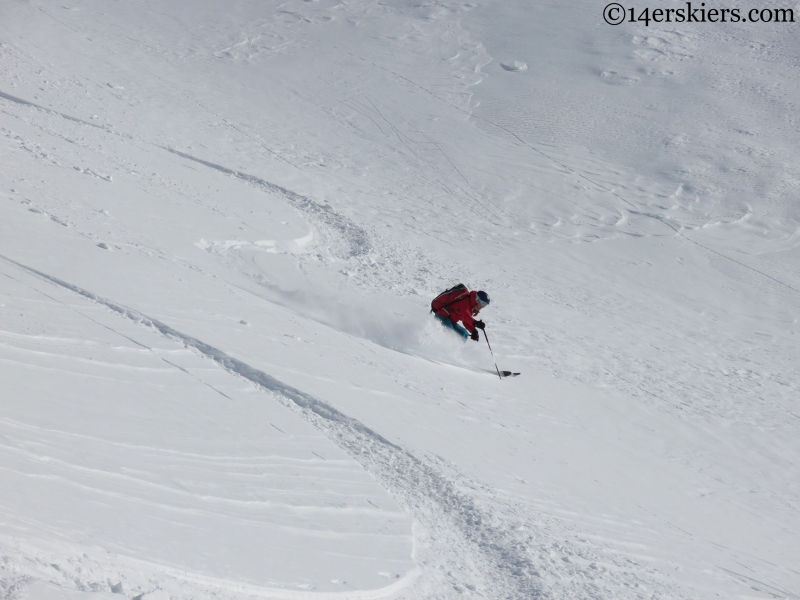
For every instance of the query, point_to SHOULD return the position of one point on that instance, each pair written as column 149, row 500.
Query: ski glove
column 475, row 336
column 480, row 324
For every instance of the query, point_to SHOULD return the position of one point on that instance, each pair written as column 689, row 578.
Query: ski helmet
column 483, row 298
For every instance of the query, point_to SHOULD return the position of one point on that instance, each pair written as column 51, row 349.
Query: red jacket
column 464, row 310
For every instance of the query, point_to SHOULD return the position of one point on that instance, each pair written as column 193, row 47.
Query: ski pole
column 490, row 350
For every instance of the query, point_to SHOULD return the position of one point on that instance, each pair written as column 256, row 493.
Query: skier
column 460, row 304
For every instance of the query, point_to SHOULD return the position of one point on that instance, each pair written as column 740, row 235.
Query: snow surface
column 221, row 224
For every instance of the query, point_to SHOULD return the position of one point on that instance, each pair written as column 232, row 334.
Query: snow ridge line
column 356, row 236
column 473, row 542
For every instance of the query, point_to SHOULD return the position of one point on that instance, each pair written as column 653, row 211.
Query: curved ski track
column 356, row 237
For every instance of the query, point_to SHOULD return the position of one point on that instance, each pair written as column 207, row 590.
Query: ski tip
column 508, row 374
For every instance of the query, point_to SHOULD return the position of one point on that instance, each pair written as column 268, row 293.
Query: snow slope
column 221, row 225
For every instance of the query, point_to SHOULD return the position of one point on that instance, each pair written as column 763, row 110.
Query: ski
column 500, row 373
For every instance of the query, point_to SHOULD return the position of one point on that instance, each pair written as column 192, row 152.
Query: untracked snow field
column 221, row 226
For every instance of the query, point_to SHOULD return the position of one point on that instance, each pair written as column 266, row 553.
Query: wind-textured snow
column 221, row 225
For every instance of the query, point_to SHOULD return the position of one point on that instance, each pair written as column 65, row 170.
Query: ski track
column 473, row 538
column 370, row 255
column 356, row 237
column 48, row 110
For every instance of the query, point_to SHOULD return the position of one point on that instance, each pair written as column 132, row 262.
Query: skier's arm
column 468, row 321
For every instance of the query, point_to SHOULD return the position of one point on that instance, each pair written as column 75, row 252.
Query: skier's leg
column 461, row 330
column 454, row 326
column 444, row 321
